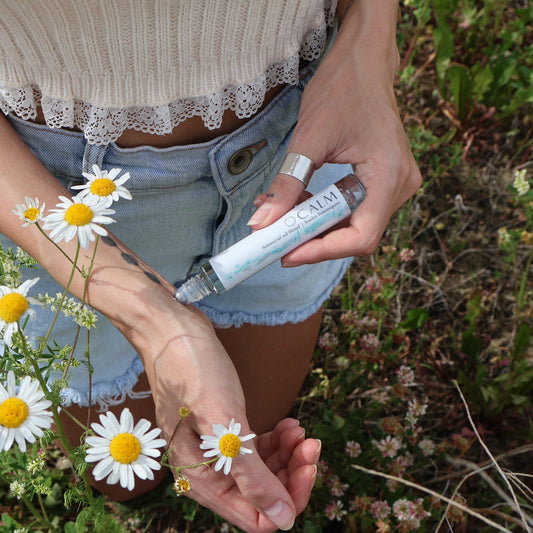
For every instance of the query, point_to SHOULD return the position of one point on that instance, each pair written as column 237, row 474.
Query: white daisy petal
column 220, row 463
column 227, row 466
column 211, row 453
column 103, row 468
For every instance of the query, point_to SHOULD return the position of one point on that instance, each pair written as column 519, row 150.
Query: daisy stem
column 178, row 469
column 175, row 430
column 83, row 301
column 43, row 510
column 35, row 512
column 65, row 292
column 57, row 246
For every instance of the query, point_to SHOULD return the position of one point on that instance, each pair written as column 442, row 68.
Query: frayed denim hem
column 108, row 393
column 228, row 319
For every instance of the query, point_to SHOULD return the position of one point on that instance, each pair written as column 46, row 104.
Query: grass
column 422, row 383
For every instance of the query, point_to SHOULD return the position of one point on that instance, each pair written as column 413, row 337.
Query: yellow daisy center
column 230, row 445
column 31, row 213
column 79, row 215
column 125, row 448
column 182, row 485
column 102, row 187
column 13, row 306
column 13, row 412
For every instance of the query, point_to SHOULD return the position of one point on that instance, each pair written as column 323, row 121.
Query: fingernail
column 260, row 215
column 281, row 515
column 313, row 479
column 317, row 453
column 290, row 264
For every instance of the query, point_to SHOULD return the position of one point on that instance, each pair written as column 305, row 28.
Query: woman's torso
column 160, row 72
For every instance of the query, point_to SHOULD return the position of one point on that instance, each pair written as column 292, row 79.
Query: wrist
column 367, row 35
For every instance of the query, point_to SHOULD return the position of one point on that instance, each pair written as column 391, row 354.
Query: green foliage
column 482, row 57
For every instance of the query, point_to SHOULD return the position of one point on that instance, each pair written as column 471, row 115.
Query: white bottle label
column 266, row 245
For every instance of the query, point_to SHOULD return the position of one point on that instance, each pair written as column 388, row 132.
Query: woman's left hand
column 349, row 115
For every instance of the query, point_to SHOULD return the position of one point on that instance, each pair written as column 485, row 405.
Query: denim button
column 240, row 161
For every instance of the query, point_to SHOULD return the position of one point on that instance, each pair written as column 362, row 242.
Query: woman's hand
column 188, row 367
column 349, row 115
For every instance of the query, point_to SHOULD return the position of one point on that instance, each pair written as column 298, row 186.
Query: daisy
column 23, row 414
column 14, row 304
column 226, row 444
column 123, row 450
column 30, row 211
column 182, row 485
column 102, row 186
column 77, row 217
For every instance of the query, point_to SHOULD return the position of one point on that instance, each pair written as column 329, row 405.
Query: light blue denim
column 186, row 207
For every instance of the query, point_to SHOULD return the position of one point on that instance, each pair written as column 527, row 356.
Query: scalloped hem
column 106, row 394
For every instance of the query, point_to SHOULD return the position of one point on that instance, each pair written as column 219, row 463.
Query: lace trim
column 103, row 125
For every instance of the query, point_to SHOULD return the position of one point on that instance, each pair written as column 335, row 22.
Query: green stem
column 35, row 512
column 178, row 469
column 63, row 297
column 43, row 510
column 57, row 246
column 523, row 281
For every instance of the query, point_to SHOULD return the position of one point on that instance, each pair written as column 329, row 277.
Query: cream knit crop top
column 107, row 65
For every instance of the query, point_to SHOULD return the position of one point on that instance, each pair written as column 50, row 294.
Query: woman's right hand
column 187, row 366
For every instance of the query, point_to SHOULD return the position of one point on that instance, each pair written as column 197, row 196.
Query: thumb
column 284, row 192
column 262, row 488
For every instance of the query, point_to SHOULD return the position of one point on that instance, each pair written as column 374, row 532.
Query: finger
column 300, row 485
column 288, row 442
column 283, row 195
column 267, row 444
column 307, row 453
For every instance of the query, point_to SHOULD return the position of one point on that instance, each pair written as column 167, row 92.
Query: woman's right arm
column 184, row 360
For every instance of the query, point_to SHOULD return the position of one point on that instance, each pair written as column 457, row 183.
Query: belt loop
column 93, row 155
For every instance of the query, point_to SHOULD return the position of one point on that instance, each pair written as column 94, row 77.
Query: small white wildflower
column 335, row 511
column 380, row 509
column 521, row 183
column 406, row 376
column 415, row 410
column 17, row 488
column 389, row 446
column 427, row 447
column 36, row 465
column 504, row 237
column 352, row 449
column 406, row 255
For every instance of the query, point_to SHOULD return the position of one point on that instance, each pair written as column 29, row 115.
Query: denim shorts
column 189, row 203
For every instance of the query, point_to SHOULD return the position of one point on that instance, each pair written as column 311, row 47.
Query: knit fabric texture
column 104, row 66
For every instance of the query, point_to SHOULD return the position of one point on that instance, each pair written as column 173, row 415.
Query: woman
column 199, row 101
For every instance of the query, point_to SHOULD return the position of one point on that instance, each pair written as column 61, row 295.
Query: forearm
column 368, row 29
column 119, row 280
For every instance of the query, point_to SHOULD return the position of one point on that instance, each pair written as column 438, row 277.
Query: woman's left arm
column 349, row 115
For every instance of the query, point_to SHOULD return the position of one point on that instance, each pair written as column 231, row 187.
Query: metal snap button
column 240, row 161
